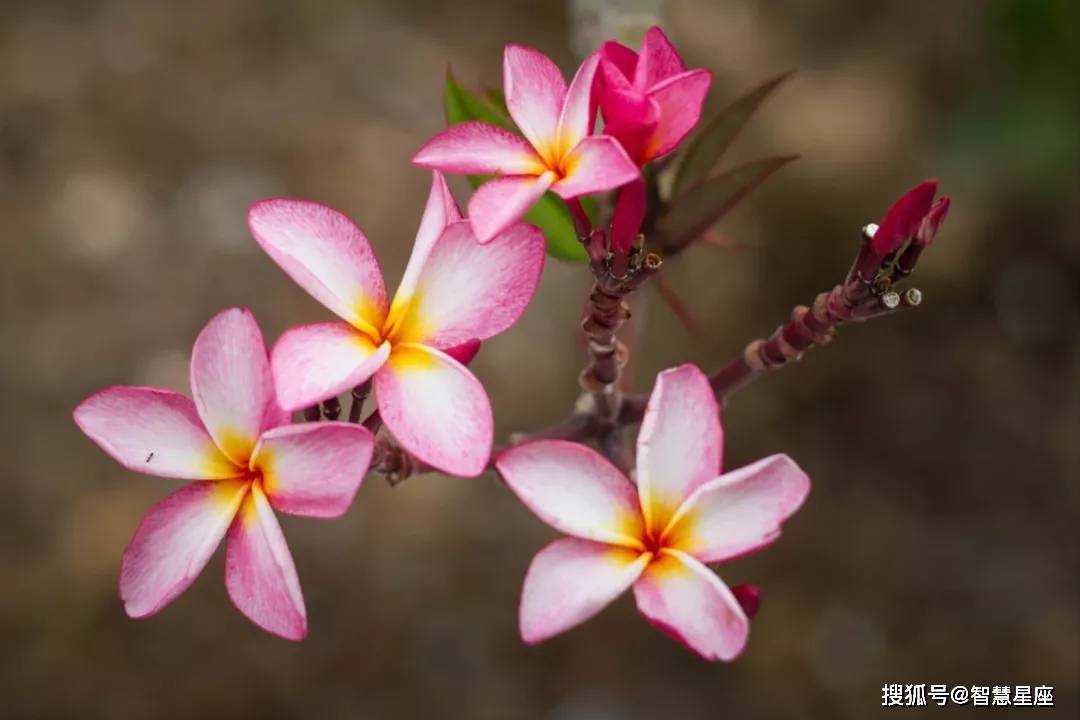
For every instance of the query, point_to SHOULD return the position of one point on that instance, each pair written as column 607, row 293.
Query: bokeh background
column 939, row 542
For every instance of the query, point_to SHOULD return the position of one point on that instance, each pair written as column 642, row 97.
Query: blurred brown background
column 938, row 544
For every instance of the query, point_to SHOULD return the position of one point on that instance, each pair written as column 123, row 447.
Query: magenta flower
column 236, row 442
column 455, row 291
column 558, row 151
column 649, row 99
column 650, row 102
column 915, row 217
column 658, row 537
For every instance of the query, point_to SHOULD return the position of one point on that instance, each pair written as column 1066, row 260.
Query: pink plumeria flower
column 650, row 102
column 649, row 99
column 455, row 291
column 558, row 151
column 658, row 537
column 247, row 460
column 916, row 216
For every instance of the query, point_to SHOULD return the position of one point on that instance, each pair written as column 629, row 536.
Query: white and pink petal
column 597, row 164
column 574, row 490
column 231, row 382
column 570, row 581
column 174, row 542
column 153, row 431
column 501, row 201
column 685, row 600
column 680, row 442
column 471, row 291
column 313, row 469
column 535, row 93
column 740, row 511
column 436, row 409
column 326, row 254
column 311, row 363
column 477, row 148
column 260, row 575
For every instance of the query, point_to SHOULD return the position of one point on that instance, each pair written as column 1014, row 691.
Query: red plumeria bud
column 904, row 218
column 465, row 352
column 749, row 597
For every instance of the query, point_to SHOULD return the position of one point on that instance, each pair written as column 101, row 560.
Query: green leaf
column 704, row 151
column 462, row 105
column 696, row 210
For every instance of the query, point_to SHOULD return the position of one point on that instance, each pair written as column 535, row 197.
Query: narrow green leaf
column 497, row 98
column 463, row 105
column 697, row 209
column 709, row 144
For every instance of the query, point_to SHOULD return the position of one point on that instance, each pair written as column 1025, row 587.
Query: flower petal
column 465, row 352
column 174, row 542
column 680, row 99
column 623, row 58
column 468, row 291
column 657, row 61
column 574, row 490
column 570, row 581
column 313, row 362
column 628, row 216
column 441, row 210
column 597, row 164
column 739, row 511
column 326, row 254
column 436, row 409
column 501, row 201
column 535, row 94
column 231, row 382
column 684, row 599
column 679, row 444
column 630, row 117
column 259, row 572
column 579, row 111
column 152, row 431
column 313, row 469
column 477, row 148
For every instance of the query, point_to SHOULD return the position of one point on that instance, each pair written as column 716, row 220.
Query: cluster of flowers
column 467, row 280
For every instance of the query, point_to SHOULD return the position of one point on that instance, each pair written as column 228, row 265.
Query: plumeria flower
column 655, row 538
column 236, row 442
column 455, row 292
column 558, row 151
column 650, row 102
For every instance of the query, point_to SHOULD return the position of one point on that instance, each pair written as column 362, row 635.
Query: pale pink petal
column 440, row 211
column 152, row 431
column 326, row 254
column 436, row 409
column 739, row 511
column 535, row 93
column 174, row 542
column 570, row 581
column 259, row 572
column 477, row 148
column 622, row 57
column 314, row 362
column 313, row 469
column 684, row 599
column 679, row 444
column 679, row 99
column 597, row 164
column 657, row 60
column 574, row 490
column 500, row 202
column 231, row 382
column 579, row 112
column 628, row 216
column 468, row 291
